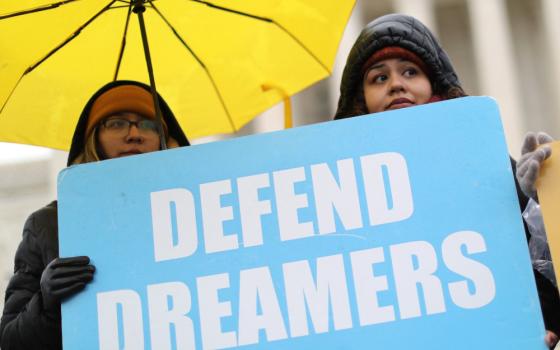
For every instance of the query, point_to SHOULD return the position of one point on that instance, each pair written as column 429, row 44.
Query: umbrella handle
column 288, row 121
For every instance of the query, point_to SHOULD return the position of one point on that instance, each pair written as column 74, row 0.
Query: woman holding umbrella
column 119, row 120
column 396, row 62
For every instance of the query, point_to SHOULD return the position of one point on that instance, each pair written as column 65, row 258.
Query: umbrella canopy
column 217, row 63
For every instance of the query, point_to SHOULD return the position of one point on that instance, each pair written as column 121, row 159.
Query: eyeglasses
column 121, row 126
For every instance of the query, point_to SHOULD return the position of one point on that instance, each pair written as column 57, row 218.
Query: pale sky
column 14, row 153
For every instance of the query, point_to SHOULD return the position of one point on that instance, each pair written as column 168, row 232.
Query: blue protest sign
column 396, row 230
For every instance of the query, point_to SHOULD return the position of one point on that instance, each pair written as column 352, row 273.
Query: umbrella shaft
column 139, row 10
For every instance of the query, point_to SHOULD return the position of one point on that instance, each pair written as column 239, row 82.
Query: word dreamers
column 385, row 185
column 297, row 299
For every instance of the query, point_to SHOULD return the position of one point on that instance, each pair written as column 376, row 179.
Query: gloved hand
column 63, row 277
column 551, row 339
column 530, row 162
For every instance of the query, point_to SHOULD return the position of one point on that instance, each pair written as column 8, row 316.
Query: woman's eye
column 116, row 124
column 147, row 124
column 410, row 72
column 380, row 78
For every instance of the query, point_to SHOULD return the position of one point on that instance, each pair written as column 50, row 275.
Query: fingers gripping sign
column 64, row 277
column 534, row 151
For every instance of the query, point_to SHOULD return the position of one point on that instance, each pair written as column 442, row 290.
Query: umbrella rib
column 37, row 9
column 70, row 38
column 75, row 34
column 220, row 97
column 10, row 95
column 177, row 34
column 123, row 43
column 268, row 20
column 304, row 47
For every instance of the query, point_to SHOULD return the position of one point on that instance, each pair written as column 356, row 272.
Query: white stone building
column 508, row 49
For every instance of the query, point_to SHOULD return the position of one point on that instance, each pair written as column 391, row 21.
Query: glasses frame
column 143, row 131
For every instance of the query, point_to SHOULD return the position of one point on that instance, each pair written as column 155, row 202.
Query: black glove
column 63, row 277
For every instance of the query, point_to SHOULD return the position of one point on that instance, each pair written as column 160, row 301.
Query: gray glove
column 530, row 162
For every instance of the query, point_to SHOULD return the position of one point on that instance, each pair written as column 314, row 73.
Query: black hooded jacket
column 25, row 325
column 394, row 30
column 409, row 33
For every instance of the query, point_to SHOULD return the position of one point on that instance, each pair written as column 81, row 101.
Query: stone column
column 495, row 61
column 551, row 23
column 270, row 120
column 353, row 28
column 422, row 9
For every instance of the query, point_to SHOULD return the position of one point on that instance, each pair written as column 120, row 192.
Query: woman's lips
column 129, row 153
column 400, row 103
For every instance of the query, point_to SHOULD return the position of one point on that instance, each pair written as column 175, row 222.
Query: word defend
column 330, row 196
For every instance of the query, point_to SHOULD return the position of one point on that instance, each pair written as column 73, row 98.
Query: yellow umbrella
column 217, row 63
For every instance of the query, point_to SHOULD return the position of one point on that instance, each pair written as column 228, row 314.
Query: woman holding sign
column 119, row 120
column 396, row 62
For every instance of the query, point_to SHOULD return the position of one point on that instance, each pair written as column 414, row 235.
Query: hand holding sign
column 64, row 277
column 534, row 151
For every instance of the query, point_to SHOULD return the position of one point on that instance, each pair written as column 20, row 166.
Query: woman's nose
column 396, row 84
column 133, row 133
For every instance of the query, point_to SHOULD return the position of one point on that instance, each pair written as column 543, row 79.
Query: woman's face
column 395, row 83
column 126, row 134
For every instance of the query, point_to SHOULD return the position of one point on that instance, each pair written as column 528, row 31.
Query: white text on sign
column 321, row 294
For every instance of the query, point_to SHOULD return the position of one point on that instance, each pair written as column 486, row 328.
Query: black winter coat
column 25, row 325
